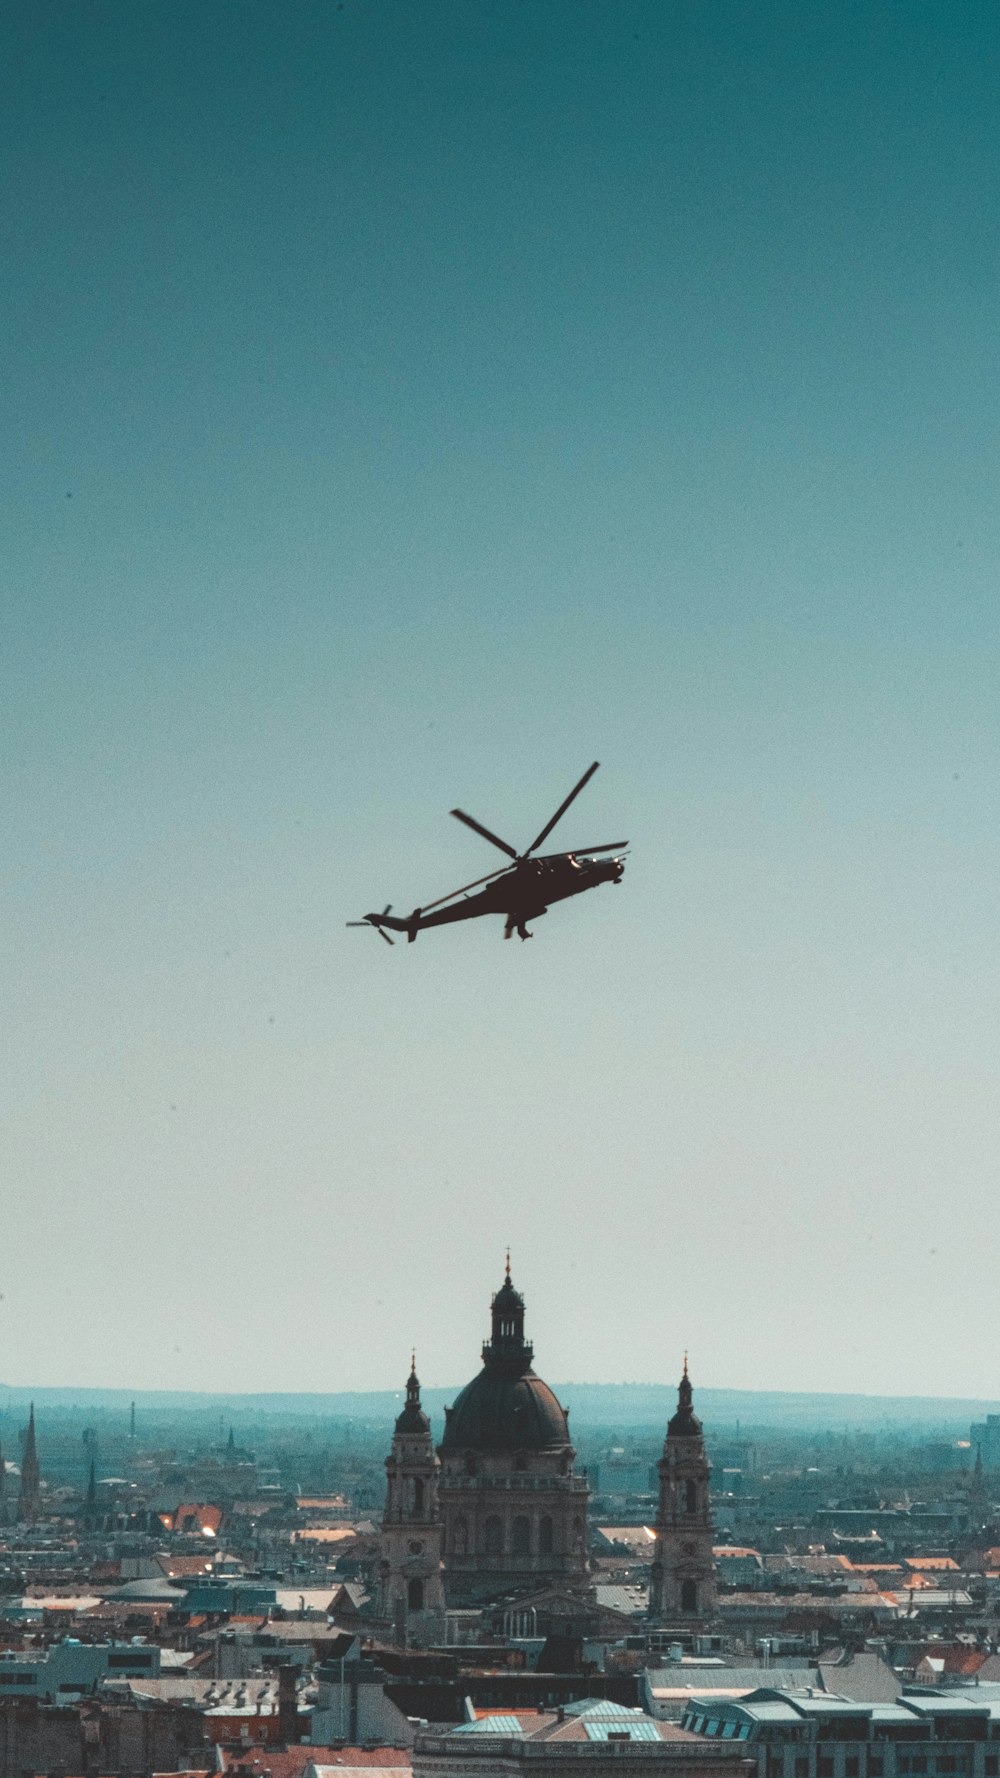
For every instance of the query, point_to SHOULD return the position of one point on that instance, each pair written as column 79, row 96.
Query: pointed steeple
column 413, row 1419
column 28, row 1497
column 91, row 1500
column 685, row 1423
column 231, row 1445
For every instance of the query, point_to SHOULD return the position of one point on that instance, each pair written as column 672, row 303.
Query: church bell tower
column 682, row 1585
column 410, row 1590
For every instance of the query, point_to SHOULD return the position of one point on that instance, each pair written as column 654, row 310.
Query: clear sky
column 406, row 404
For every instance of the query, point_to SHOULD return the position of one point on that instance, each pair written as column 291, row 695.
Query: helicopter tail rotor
column 375, row 920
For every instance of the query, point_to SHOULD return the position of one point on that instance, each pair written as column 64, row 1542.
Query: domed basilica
column 513, row 1512
column 498, row 1513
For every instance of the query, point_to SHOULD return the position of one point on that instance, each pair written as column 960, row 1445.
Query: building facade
column 811, row 1734
column 682, row 1585
column 514, row 1512
column 410, row 1591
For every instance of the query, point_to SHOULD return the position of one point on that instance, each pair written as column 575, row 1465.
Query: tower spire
column 28, row 1501
column 682, row 1582
column 410, row 1597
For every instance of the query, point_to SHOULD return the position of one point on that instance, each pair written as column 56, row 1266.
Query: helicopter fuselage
column 521, row 894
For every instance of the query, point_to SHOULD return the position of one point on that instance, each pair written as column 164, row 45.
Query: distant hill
column 612, row 1405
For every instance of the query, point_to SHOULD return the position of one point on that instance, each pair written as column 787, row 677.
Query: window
column 801, row 1768
column 415, row 1596
column 991, row 1765
column 546, row 1539
column 521, row 1536
column 690, row 1497
column 876, row 1765
column 493, row 1536
column 851, row 1766
column 418, row 1495
column 689, row 1595
column 824, row 1765
column 460, row 1536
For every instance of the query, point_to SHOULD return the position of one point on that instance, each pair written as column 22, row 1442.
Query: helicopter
column 520, row 891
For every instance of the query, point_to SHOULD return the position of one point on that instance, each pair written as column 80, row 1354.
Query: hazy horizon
column 634, row 1406
column 407, row 406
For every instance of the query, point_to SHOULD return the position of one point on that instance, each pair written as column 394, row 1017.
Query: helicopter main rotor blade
column 467, row 886
column 477, row 827
column 587, row 851
column 560, row 812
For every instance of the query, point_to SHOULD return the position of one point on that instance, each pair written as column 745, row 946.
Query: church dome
column 506, row 1408
column 499, row 1412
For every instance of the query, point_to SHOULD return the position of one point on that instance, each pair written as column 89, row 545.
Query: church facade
column 513, row 1509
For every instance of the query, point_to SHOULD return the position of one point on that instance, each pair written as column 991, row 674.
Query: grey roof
column 630, row 1601
column 680, row 1679
column 933, row 1704
column 864, row 1676
column 152, row 1592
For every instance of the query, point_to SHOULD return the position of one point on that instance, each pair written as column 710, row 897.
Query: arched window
column 460, row 1536
column 690, row 1497
column 521, row 1536
column 546, row 1540
column 418, row 1495
column 493, row 1536
column 415, row 1596
column 577, row 1534
column 689, row 1595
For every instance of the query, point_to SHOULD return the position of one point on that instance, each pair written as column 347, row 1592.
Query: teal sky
column 406, row 404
